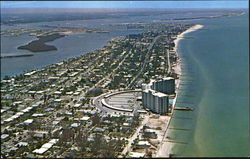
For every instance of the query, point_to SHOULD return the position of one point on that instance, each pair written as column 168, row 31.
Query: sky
column 125, row 4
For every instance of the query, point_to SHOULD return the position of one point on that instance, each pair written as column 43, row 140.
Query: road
column 131, row 140
column 97, row 102
column 169, row 64
column 145, row 61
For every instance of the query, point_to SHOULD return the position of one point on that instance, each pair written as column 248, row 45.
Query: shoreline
column 166, row 148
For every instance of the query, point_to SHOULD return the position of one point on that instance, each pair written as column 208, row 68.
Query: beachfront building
column 155, row 95
column 165, row 85
column 157, row 102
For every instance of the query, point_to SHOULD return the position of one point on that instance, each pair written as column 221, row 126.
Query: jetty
column 184, row 108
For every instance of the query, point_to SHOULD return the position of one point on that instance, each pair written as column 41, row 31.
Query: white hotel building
column 155, row 95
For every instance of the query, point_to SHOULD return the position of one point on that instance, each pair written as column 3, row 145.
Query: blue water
column 216, row 65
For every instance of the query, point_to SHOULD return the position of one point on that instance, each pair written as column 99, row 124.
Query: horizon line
column 108, row 8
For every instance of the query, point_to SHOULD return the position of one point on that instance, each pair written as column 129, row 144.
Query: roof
column 53, row 141
column 159, row 94
column 40, row 151
column 85, row 118
column 22, row 144
column 168, row 78
column 99, row 130
column 149, row 130
column 57, row 92
column 143, row 143
column 30, row 73
column 125, row 124
column 75, row 125
column 46, row 146
column 28, row 121
column 58, row 100
column 4, row 136
column 136, row 154
column 37, row 115
column 27, row 109
column 77, row 105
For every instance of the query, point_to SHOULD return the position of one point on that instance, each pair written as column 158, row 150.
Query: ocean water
column 216, row 76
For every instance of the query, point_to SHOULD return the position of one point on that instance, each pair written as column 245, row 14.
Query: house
column 149, row 133
column 46, row 146
column 11, row 150
column 99, row 130
column 40, row 134
column 20, row 144
column 37, row 115
column 126, row 124
column 4, row 136
column 77, row 105
column 85, row 118
column 28, row 121
column 143, row 144
column 57, row 100
column 75, row 125
column 49, row 109
column 136, row 155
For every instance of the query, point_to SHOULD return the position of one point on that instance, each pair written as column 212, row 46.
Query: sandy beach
column 177, row 68
column 166, row 147
column 180, row 36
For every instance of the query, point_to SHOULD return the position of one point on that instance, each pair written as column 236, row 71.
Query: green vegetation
column 39, row 45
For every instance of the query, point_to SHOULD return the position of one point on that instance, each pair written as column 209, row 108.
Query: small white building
column 4, row 136
column 28, row 121
column 75, row 125
column 143, row 144
column 136, row 155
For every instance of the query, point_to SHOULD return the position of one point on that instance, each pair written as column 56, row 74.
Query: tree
column 81, row 142
column 148, row 153
column 96, row 145
column 96, row 119
column 67, row 135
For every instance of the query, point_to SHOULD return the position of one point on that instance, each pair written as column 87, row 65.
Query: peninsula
column 91, row 106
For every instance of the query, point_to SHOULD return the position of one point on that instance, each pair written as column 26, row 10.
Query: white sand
column 180, row 36
column 177, row 68
column 165, row 148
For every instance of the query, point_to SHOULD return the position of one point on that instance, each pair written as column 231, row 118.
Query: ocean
column 215, row 63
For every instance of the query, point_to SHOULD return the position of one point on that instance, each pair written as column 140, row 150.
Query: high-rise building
column 166, row 85
column 155, row 101
column 155, row 95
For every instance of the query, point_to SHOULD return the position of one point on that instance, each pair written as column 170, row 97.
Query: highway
column 145, row 61
column 169, row 64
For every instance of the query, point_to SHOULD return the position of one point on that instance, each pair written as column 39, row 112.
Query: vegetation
column 39, row 45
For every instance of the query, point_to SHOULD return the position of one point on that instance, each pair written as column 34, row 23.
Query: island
column 39, row 45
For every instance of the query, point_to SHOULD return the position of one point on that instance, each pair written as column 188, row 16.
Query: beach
column 177, row 67
column 165, row 148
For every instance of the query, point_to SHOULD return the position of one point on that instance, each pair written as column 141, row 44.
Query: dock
column 184, row 108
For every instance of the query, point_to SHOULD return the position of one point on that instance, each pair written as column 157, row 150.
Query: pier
column 184, row 108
